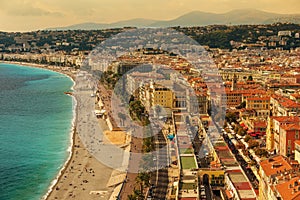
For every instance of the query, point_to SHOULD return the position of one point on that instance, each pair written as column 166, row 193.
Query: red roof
column 286, row 119
column 258, row 98
column 242, row 185
column 297, row 142
column 260, row 124
column 290, row 127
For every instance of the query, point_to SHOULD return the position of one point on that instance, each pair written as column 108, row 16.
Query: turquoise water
column 35, row 124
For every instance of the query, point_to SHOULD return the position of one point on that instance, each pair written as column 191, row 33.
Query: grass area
column 188, row 186
column 186, row 151
column 187, row 162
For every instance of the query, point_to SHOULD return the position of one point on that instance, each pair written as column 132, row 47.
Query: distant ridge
column 196, row 18
column 139, row 22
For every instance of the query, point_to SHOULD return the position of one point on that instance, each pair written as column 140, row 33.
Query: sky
column 29, row 15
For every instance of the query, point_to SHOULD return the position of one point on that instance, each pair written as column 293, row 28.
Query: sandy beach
column 83, row 176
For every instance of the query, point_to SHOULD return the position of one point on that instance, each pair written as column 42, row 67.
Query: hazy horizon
column 30, row 15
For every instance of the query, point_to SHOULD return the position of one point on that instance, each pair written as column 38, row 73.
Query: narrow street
column 160, row 180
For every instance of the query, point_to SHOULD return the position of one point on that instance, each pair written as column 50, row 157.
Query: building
column 282, row 106
column 280, row 179
column 275, row 123
column 216, row 177
column 162, row 94
column 260, row 104
column 297, row 150
column 288, row 134
column 235, row 98
column 135, row 79
column 122, row 68
column 256, row 127
column 295, row 97
column 157, row 93
column 284, row 33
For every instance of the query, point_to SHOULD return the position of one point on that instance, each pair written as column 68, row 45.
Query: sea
column 35, row 130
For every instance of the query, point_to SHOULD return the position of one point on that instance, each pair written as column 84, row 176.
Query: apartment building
column 279, row 179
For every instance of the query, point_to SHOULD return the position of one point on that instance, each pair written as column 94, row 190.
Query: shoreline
column 71, row 146
column 70, row 149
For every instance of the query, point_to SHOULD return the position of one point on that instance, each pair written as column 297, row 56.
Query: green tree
column 253, row 144
column 132, row 197
column 242, row 105
column 230, row 117
column 137, row 195
column 247, row 138
column 236, row 128
column 261, row 152
column 241, row 131
column 143, row 178
column 157, row 109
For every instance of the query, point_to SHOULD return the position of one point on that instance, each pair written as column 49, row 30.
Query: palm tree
column 157, row 110
column 143, row 179
column 131, row 197
column 122, row 118
column 136, row 195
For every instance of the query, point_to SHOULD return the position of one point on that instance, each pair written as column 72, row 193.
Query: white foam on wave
column 70, row 148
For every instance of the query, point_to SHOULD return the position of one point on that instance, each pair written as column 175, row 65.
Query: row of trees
column 138, row 112
column 252, row 143
column 143, row 177
column 109, row 79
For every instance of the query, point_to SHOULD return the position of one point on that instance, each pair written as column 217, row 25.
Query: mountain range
column 195, row 18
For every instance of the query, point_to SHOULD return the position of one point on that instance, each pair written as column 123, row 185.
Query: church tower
column 234, row 83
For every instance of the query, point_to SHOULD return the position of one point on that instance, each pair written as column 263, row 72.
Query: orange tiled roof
column 297, row 142
column 296, row 95
column 289, row 189
column 259, row 98
column 290, row 127
column 286, row 119
column 260, row 124
column 274, row 165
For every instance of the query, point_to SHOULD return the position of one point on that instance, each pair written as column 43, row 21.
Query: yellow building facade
column 162, row 96
column 216, row 177
column 270, row 135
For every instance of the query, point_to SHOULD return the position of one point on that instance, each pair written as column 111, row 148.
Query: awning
column 228, row 194
column 250, row 131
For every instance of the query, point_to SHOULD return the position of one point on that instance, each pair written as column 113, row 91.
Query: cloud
column 15, row 14
column 26, row 8
column 34, row 12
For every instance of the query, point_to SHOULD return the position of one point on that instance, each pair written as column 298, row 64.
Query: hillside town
column 237, row 138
